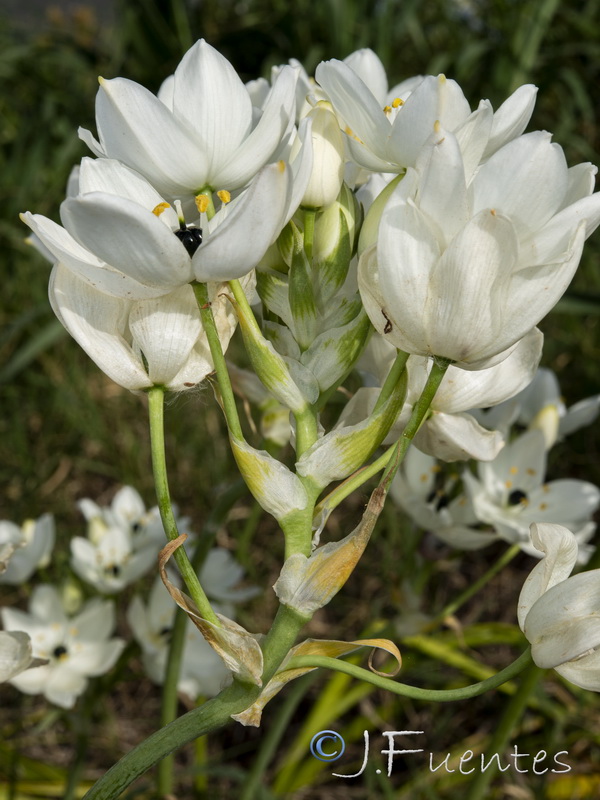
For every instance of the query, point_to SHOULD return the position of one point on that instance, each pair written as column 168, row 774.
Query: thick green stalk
column 392, row 379
column 159, row 466
column 478, row 790
column 216, row 351
column 402, row 689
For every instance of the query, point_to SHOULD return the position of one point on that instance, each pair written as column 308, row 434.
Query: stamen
column 397, row 102
column 387, row 109
column 158, row 210
column 202, row 202
column 224, row 196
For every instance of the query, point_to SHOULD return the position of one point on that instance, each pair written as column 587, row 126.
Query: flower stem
column 402, row 689
column 159, row 466
column 392, row 379
column 420, row 409
column 216, row 351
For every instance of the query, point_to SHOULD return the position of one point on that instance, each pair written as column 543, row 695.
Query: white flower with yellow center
column 510, row 493
column 77, row 648
column 389, row 137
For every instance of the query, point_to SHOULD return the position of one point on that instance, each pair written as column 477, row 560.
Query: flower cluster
column 62, row 641
column 346, row 227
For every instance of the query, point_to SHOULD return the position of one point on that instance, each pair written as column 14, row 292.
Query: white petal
column 166, row 330
column 458, row 437
column 262, row 144
column 511, row 119
column 560, row 550
column 236, row 245
column 370, row 70
column 210, row 96
column 128, row 237
column 565, row 622
column 138, row 129
column 97, row 322
column 526, row 181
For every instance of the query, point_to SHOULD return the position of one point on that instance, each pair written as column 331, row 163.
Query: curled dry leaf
column 313, row 647
column 239, row 649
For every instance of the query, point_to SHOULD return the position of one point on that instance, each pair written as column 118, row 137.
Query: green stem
column 209, row 717
column 355, row 481
column 402, row 689
column 392, row 379
column 420, row 409
column 159, row 466
column 306, row 430
column 216, row 351
column 472, row 590
column 277, row 728
column 478, row 790
column 168, row 710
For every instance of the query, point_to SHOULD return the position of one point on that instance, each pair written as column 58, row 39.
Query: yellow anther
column 202, row 202
column 493, row 212
column 513, row 470
column 508, row 484
column 424, row 477
column 158, row 210
column 387, row 109
column 224, row 196
column 281, row 166
column 436, row 468
column 530, row 471
column 543, row 506
column 352, row 135
column 397, row 102
column 437, row 128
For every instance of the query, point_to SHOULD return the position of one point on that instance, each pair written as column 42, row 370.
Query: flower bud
column 328, row 158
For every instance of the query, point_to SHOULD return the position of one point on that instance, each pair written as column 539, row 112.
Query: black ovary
column 191, row 238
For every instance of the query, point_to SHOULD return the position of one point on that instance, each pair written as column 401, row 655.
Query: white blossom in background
column 464, row 268
column 15, row 654
column 560, row 615
column 511, row 492
column 437, row 503
column 77, row 648
column 27, row 547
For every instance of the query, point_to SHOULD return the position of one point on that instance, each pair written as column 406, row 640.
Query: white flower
column 122, row 238
column 77, row 648
column 434, row 505
column 510, row 493
column 28, row 547
column 389, row 138
column 202, row 130
column 560, row 615
column 463, row 270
